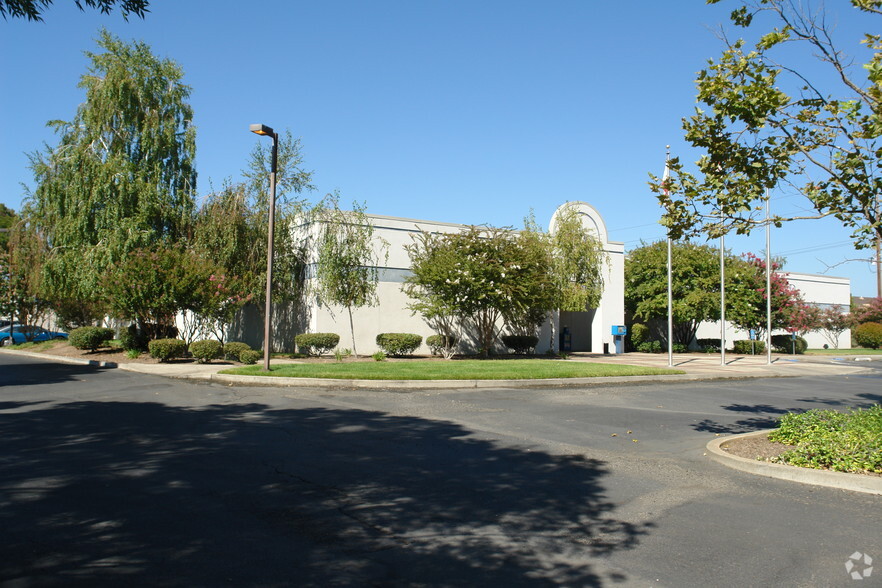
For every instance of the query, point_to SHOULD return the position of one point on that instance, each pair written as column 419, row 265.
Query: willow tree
column 578, row 261
column 122, row 175
column 348, row 258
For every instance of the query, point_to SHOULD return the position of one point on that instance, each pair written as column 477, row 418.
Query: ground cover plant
column 827, row 439
column 455, row 370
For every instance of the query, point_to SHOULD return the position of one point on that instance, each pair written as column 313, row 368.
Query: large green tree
column 122, row 175
column 348, row 258
column 7, row 219
column 231, row 225
column 33, row 9
column 695, row 284
column 768, row 119
column 475, row 278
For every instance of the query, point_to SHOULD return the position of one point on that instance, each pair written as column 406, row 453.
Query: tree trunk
column 352, row 332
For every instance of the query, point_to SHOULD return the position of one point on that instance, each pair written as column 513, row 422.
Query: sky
column 455, row 111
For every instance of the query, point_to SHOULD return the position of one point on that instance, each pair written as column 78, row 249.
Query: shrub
column 341, row 354
column 710, row 345
column 748, row 347
column 90, row 338
column 165, row 349
column 132, row 338
column 249, row 356
column 437, row 343
column 847, row 442
column 316, row 343
column 650, row 347
column 233, row 349
column 133, row 354
column 521, row 344
column 639, row 333
column 786, row 344
column 206, row 350
column 868, row 335
column 398, row 343
column 379, row 356
column 680, row 348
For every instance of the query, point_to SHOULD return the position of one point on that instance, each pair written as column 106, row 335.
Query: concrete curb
column 283, row 382
column 841, row 480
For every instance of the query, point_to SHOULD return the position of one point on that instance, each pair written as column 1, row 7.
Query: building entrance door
column 580, row 325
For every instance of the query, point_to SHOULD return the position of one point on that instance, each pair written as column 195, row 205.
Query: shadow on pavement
column 101, row 493
column 28, row 373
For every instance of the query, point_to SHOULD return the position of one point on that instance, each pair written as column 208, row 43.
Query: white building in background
column 817, row 290
column 590, row 330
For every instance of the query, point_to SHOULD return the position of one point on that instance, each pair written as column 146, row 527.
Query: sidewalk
column 696, row 368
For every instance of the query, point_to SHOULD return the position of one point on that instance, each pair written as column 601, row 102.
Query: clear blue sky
column 456, row 111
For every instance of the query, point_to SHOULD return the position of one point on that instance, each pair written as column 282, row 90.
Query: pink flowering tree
column 746, row 299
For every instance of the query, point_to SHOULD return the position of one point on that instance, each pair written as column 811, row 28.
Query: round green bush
column 249, row 356
column 165, row 349
column 398, row 343
column 233, row 349
column 520, row 344
column 133, row 339
column 639, row 333
column 90, row 338
column 316, row 343
column 868, row 335
column 206, row 350
column 744, row 347
column 438, row 342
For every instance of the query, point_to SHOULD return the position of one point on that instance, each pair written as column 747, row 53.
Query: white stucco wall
column 392, row 315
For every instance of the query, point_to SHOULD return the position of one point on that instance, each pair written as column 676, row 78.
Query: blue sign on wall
column 619, row 330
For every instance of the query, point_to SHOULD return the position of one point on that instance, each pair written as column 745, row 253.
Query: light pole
column 267, row 131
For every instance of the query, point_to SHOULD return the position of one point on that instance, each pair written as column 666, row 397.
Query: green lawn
column 855, row 351
column 466, row 369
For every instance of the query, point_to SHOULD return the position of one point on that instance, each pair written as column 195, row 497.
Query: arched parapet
column 589, row 216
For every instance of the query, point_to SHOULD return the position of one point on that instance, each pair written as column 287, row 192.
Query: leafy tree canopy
column 766, row 121
column 122, row 176
column 33, row 9
column 695, row 283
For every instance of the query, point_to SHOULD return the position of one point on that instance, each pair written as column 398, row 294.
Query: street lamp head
column 261, row 130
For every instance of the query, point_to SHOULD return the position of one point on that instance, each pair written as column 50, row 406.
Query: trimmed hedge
column 316, row 343
column 398, row 343
column 165, row 349
column 785, row 344
column 744, row 347
column 206, row 350
column 710, row 345
column 90, row 338
column 650, row 347
column 249, row 356
column 438, row 342
column 521, row 344
column 233, row 349
column 868, row 335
